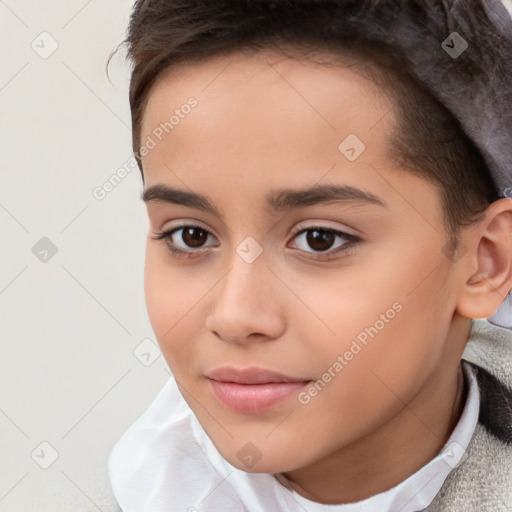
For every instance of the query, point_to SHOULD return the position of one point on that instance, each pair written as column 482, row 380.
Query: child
column 327, row 188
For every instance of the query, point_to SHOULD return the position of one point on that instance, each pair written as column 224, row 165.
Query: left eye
column 322, row 239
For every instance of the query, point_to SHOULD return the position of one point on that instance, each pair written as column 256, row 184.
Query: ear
column 487, row 267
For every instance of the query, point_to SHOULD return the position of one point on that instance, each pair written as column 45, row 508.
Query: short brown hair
column 427, row 138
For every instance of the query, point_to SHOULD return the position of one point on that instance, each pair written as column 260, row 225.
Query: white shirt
column 165, row 462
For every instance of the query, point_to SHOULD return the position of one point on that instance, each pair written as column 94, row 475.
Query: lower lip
column 253, row 398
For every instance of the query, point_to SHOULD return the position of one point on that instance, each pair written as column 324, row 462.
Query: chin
column 252, row 460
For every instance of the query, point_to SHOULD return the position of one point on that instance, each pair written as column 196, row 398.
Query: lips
column 252, row 390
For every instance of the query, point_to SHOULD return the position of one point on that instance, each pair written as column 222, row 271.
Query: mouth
column 252, row 390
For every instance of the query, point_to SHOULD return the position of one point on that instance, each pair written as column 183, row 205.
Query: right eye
column 183, row 243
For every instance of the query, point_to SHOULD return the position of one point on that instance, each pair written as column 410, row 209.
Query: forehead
column 256, row 104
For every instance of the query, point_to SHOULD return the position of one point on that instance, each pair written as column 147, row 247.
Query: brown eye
column 194, row 237
column 188, row 240
column 320, row 240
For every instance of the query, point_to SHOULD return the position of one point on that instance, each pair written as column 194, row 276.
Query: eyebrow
column 278, row 200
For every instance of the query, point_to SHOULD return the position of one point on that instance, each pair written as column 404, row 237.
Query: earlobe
column 489, row 277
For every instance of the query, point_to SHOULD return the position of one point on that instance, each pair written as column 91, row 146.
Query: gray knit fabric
column 483, row 481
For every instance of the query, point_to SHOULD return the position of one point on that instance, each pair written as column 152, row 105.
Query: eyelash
column 351, row 241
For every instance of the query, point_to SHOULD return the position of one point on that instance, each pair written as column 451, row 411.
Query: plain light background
column 73, row 372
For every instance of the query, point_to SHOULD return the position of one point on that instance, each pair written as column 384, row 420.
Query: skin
column 267, row 122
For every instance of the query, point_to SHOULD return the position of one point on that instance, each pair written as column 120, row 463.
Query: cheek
column 158, row 289
column 170, row 300
column 365, row 376
column 373, row 294
column 382, row 327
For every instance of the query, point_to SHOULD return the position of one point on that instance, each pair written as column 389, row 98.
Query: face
column 311, row 277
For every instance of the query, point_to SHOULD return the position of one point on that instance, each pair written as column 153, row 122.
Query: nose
column 246, row 304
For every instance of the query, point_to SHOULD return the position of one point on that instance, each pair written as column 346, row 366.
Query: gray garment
column 483, row 481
